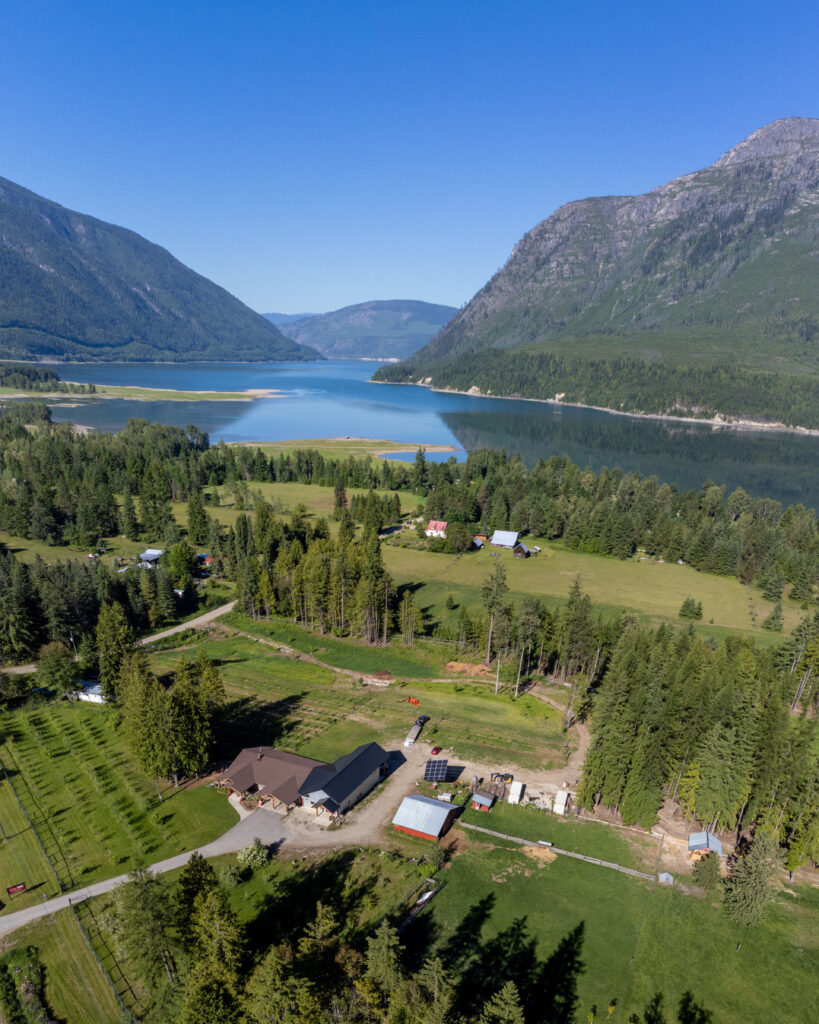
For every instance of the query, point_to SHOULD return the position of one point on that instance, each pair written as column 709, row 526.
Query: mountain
column 372, row 330
column 286, row 318
column 635, row 301
column 74, row 287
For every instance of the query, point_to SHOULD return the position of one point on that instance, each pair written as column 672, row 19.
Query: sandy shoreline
column 716, row 422
column 77, row 398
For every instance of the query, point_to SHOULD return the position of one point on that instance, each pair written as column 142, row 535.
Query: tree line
column 625, row 384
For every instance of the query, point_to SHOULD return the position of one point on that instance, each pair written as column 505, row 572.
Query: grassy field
column 314, row 712
column 341, row 447
column 500, row 905
column 652, row 589
column 76, row 991
column 96, row 814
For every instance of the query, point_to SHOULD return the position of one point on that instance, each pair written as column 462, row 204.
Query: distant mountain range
column 75, row 288
column 699, row 297
column 392, row 329
column 286, row 318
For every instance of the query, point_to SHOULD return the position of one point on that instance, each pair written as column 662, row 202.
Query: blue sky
column 306, row 155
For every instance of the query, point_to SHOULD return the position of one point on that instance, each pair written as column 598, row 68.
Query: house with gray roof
column 504, row 539
column 336, row 787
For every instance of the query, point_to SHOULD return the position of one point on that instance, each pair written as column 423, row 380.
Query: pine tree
column 707, row 874
column 128, row 525
column 750, row 888
column 141, row 920
column 115, row 639
column 504, row 1007
column 196, row 878
column 218, row 938
column 493, row 592
column 774, row 621
column 197, row 518
column 383, row 965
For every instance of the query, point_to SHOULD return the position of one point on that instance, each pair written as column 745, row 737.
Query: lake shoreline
column 717, row 422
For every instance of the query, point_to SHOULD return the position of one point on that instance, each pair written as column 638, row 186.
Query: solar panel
column 435, row 770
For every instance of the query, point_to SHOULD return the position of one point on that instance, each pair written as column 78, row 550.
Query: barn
column 704, row 842
column 424, row 817
column 504, row 539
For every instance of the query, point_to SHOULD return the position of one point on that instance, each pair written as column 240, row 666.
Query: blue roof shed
column 704, row 841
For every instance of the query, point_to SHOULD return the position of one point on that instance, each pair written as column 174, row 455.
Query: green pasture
column 653, row 589
column 342, row 447
column 96, row 814
column 76, row 991
column 498, row 900
column 592, row 839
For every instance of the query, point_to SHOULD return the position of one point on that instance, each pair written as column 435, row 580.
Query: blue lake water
column 336, row 399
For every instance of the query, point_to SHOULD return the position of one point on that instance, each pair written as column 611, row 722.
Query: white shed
column 562, row 801
column 515, row 792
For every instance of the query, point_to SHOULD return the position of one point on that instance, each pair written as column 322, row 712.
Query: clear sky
column 308, row 154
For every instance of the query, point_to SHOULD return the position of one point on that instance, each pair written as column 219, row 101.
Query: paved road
column 268, row 826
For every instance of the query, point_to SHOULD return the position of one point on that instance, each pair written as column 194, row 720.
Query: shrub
column 254, row 856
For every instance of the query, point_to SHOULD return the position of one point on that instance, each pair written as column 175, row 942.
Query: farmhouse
column 436, row 528
column 274, row 775
column 504, row 539
column 336, row 787
column 424, row 817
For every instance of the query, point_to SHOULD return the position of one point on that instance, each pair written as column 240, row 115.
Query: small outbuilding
column 520, row 550
column 515, row 792
column 481, row 800
column 89, row 693
column 562, row 801
column 424, row 817
column 504, row 539
column 151, row 556
column 664, row 878
column 704, row 842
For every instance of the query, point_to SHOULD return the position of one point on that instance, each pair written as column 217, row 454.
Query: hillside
column 372, row 330
column 74, row 287
column 718, row 267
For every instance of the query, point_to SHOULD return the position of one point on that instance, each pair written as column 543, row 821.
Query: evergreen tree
column 383, row 965
column 493, row 592
column 128, row 525
column 115, row 639
column 707, row 874
column 218, row 938
column 197, row 518
column 774, row 621
column 196, row 878
column 141, row 922
column 750, row 888
column 504, row 1007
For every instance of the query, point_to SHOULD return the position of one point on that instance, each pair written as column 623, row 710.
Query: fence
column 126, row 1013
column 33, row 829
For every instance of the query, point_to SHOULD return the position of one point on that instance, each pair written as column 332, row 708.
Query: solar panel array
column 435, row 770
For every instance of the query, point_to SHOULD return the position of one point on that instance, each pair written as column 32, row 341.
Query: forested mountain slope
column 720, row 266
column 74, row 287
column 393, row 329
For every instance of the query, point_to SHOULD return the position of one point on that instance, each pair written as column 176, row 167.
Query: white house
column 91, row 693
column 436, row 528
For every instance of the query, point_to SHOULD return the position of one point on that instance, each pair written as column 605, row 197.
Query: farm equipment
column 411, row 700
column 502, row 777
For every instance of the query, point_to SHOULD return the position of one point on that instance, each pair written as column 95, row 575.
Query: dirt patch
column 466, row 668
column 540, row 853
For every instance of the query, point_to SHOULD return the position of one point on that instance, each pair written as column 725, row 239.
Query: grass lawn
column 498, row 899
column 97, row 815
column 76, row 991
column 652, row 589
column 342, row 447
column 592, row 839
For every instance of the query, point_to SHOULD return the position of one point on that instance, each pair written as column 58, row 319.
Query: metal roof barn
column 504, row 539
column 422, row 816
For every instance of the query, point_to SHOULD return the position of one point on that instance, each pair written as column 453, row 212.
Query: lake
column 336, row 399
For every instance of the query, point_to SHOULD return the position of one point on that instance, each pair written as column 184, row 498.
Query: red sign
column 20, row 887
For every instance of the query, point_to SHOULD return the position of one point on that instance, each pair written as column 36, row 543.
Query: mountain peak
column 787, row 137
